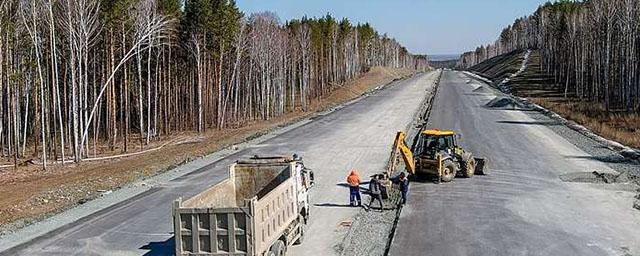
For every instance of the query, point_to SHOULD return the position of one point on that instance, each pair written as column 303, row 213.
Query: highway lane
column 357, row 136
column 522, row 207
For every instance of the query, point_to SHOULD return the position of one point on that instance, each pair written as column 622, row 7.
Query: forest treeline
column 75, row 74
column 591, row 48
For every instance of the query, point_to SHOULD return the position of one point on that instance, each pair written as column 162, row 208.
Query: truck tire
column 468, row 166
column 303, row 229
column 448, row 171
column 278, row 249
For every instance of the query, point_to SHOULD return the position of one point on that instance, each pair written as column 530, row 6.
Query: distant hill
column 444, row 57
column 444, row 64
column 444, row 60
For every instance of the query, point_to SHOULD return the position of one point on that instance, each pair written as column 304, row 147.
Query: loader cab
column 434, row 141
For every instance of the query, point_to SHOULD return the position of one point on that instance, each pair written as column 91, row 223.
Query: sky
column 424, row 27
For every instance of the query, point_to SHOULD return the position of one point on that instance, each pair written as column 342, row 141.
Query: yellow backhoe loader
column 436, row 154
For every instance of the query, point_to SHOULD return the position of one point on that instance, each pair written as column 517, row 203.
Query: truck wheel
column 303, row 228
column 469, row 166
column 448, row 171
column 278, row 249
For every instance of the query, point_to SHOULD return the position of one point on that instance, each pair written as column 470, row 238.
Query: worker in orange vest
column 354, row 188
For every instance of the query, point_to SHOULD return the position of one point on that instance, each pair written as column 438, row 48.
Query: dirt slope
column 540, row 88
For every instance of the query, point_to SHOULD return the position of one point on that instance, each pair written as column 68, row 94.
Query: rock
column 636, row 204
column 504, row 102
column 630, row 153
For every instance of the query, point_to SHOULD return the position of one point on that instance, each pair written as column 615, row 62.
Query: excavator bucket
column 480, row 166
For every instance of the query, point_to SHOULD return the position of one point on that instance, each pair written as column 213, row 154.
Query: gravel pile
column 598, row 177
column 371, row 230
column 503, row 102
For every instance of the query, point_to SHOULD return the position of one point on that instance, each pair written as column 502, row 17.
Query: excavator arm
column 400, row 147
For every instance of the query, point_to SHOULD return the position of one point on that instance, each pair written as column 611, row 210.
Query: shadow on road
column 477, row 94
column 612, row 158
column 510, row 109
column 334, row 205
column 160, row 248
column 346, row 185
column 363, row 190
column 545, row 123
column 422, row 179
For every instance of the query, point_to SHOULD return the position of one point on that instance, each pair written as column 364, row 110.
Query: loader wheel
column 469, row 167
column 448, row 171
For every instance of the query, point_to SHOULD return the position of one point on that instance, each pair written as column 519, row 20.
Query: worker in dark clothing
column 375, row 191
column 404, row 187
column 354, row 188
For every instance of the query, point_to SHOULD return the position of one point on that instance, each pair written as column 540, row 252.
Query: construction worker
column 354, row 188
column 375, row 191
column 404, row 187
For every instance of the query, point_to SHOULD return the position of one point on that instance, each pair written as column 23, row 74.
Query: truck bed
column 242, row 215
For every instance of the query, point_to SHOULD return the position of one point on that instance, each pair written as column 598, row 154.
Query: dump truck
column 261, row 209
column 436, row 153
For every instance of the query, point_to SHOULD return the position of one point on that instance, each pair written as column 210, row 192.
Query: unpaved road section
column 522, row 207
column 357, row 136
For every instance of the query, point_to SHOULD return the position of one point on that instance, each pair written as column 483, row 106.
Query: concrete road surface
column 357, row 136
column 522, row 207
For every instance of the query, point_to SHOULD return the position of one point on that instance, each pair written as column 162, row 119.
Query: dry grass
column 623, row 127
column 29, row 193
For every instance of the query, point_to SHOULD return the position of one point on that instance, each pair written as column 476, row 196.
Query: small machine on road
column 261, row 209
column 437, row 154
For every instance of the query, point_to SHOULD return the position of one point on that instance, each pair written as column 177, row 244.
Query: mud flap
column 480, row 166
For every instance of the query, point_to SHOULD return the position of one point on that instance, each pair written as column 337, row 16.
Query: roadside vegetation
column 619, row 126
column 585, row 63
column 30, row 193
column 80, row 79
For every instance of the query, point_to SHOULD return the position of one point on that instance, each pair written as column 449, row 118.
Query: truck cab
column 304, row 182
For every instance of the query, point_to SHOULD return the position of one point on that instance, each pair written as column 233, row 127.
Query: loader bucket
column 480, row 166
